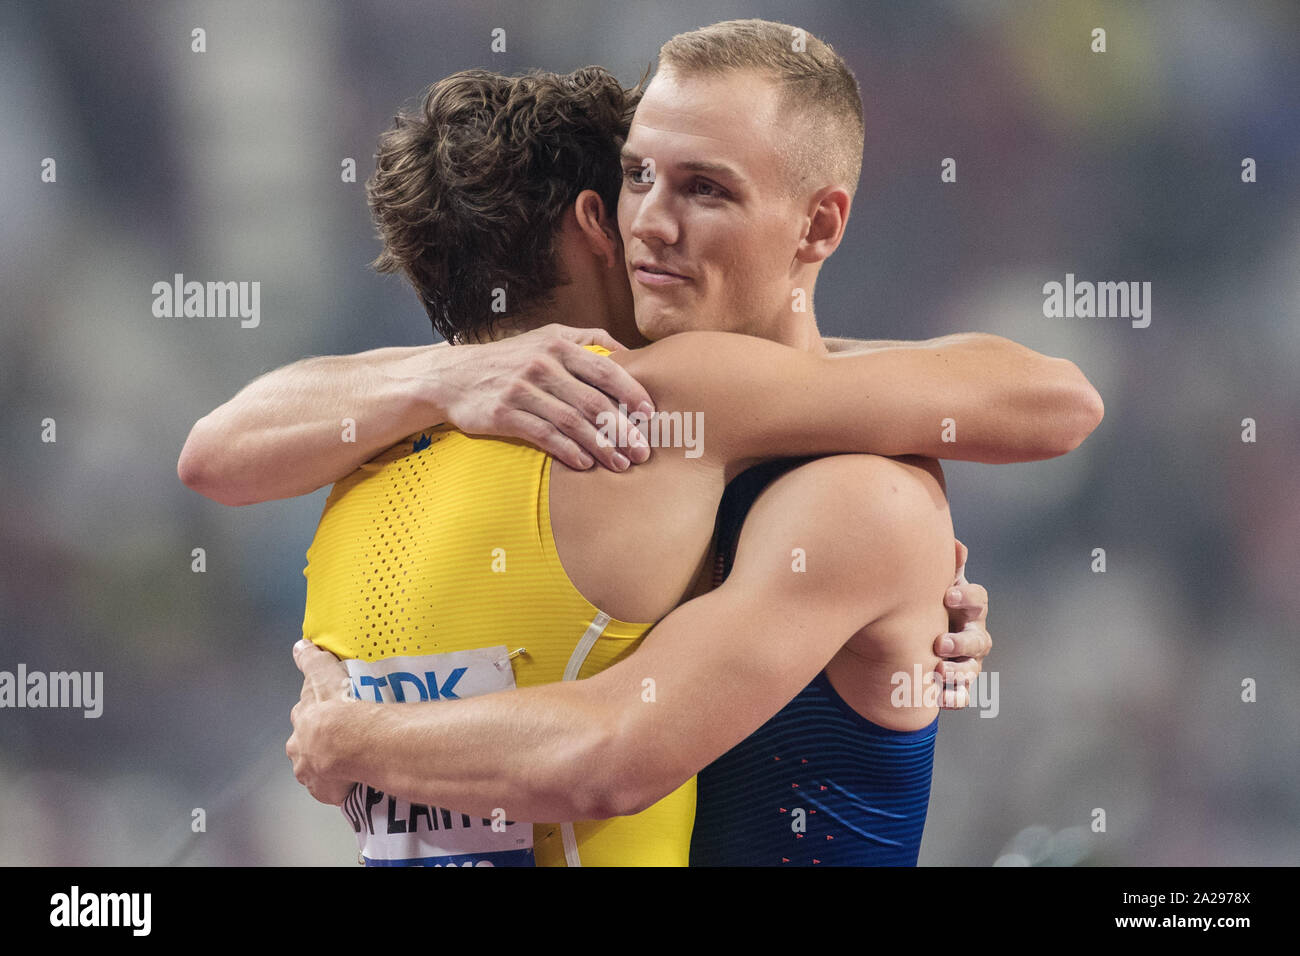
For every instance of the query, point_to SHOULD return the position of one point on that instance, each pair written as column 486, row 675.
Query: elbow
column 598, row 804
column 629, row 796
column 1078, row 411
column 198, row 470
column 611, row 775
column 192, row 466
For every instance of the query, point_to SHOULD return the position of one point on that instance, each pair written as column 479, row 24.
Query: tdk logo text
column 402, row 683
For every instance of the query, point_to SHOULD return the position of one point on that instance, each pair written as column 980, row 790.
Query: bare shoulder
column 865, row 535
column 861, row 485
column 697, row 364
column 695, row 343
column 856, row 513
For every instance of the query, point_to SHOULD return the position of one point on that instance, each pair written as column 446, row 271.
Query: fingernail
column 639, row 453
column 620, row 462
column 954, row 595
column 302, row 644
column 636, row 438
column 646, row 408
column 947, row 646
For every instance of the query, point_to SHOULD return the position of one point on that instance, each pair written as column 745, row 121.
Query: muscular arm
column 971, row 397
column 722, row 664
column 283, row 434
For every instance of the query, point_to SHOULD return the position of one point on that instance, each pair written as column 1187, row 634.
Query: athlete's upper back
column 434, row 572
column 441, row 542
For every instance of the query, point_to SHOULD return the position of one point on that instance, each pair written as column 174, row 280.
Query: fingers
column 558, row 428
column 585, row 336
column 311, row 658
column 305, row 769
column 968, row 642
column 584, row 401
column 324, row 675
column 606, row 395
column 966, row 603
column 543, row 435
column 955, row 698
column 954, row 678
column 962, row 671
column 590, row 418
column 603, row 373
column 952, row 695
column 972, row 640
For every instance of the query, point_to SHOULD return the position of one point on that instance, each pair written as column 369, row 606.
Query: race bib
column 394, row 832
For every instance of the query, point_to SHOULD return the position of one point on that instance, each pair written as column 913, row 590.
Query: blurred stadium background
column 1119, row 690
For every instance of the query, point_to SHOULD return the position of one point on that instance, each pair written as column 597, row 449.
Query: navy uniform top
column 818, row 784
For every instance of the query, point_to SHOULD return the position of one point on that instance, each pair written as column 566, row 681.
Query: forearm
column 971, row 397
column 533, row 752
column 608, row 745
column 287, row 433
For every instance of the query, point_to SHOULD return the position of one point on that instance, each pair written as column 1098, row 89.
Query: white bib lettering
column 394, row 832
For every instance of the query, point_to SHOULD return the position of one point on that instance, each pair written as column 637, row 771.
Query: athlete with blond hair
column 455, row 565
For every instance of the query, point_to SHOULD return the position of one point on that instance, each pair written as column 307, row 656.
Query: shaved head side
column 819, row 93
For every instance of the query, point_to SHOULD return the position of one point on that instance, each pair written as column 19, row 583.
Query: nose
column 653, row 219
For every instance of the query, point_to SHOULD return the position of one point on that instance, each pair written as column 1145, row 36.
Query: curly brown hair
column 468, row 193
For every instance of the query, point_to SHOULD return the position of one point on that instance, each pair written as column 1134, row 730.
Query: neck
column 800, row 334
column 795, row 329
column 573, row 306
column 783, row 324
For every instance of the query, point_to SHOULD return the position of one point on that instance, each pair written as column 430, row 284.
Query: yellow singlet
column 432, row 566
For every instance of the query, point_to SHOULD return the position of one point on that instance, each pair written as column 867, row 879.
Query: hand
column 544, row 388
column 967, row 643
column 325, row 683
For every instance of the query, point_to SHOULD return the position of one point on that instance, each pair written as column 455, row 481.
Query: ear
column 826, row 221
column 599, row 231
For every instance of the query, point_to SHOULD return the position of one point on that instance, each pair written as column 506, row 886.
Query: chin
column 655, row 324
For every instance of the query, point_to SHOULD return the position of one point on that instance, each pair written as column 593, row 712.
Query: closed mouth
column 653, row 274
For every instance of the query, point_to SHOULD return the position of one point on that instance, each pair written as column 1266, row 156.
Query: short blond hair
column 815, row 83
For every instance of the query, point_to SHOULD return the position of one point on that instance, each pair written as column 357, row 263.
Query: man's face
column 710, row 243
